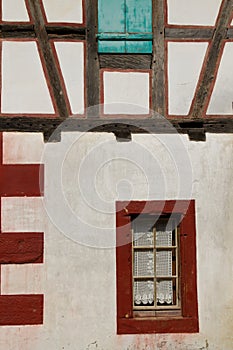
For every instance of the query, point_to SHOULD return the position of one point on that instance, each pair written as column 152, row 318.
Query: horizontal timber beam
column 188, row 33
column 10, row 30
column 193, row 127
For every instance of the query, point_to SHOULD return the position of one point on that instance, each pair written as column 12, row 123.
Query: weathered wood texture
column 230, row 33
column 209, row 68
column 118, row 126
column 158, row 81
column 17, row 31
column 92, row 63
column 66, row 32
column 49, row 60
column 54, row 32
column 8, row 30
column 128, row 61
column 188, row 33
column 27, row 31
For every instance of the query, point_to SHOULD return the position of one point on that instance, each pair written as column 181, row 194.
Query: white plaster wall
column 184, row 66
column 221, row 101
column 193, row 12
column 69, row 11
column 14, row 10
column 126, row 92
column 71, row 54
column 24, row 86
column 79, row 280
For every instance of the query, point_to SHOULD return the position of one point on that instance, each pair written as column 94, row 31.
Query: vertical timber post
column 92, row 64
column 158, row 71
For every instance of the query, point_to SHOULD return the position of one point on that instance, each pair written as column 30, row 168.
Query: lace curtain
column 144, row 265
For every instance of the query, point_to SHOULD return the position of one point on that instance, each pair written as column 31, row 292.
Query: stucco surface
column 78, row 275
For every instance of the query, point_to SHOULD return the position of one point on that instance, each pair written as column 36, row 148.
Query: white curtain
column 144, row 266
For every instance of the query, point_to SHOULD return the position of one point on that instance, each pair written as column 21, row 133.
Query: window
column 125, row 26
column 156, row 267
column 155, row 263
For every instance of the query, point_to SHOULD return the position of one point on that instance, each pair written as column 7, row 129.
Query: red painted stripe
column 21, row 248
column 21, row 309
column 21, row 180
column 1, row 142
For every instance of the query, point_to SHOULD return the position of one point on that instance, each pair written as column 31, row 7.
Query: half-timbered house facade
column 116, row 153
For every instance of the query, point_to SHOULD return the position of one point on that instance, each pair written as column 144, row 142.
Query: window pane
column 159, row 261
column 142, row 233
column 163, row 238
column 164, row 292
column 163, row 263
column 144, row 293
column 143, row 239
column 144, row 263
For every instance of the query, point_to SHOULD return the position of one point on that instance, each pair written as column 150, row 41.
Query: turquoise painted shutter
column 125, row 26
column 111, row 15
column 111, row 19
column 138, row 16
column 139, row 21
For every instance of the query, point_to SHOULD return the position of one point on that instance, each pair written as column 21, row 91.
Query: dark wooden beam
column 158, row 78
column 10, row 30
column 65, row 37
column 230, row 33
column 208, row 73
column 66, row 32
column 92, row 63
column 173, row 33
column 128, row 61
column 120, row 127
column 59, row 93
column 17, row 31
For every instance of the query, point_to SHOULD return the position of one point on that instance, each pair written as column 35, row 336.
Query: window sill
column 149, row 325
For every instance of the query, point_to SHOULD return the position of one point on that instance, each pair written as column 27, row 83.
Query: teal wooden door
column 125, row 26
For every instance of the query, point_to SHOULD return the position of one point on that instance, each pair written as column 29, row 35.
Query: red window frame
column 188, row 321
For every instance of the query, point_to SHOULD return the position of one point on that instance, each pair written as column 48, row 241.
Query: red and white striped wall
column 21, row 231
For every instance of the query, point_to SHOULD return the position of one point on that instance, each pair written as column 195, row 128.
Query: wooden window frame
column 127, row 321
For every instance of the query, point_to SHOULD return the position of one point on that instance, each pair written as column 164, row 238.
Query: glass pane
column 163, row 263
column 143, row 263
column 164, row 293
column 143, row 233
column 144, row 293
column 163, row 235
